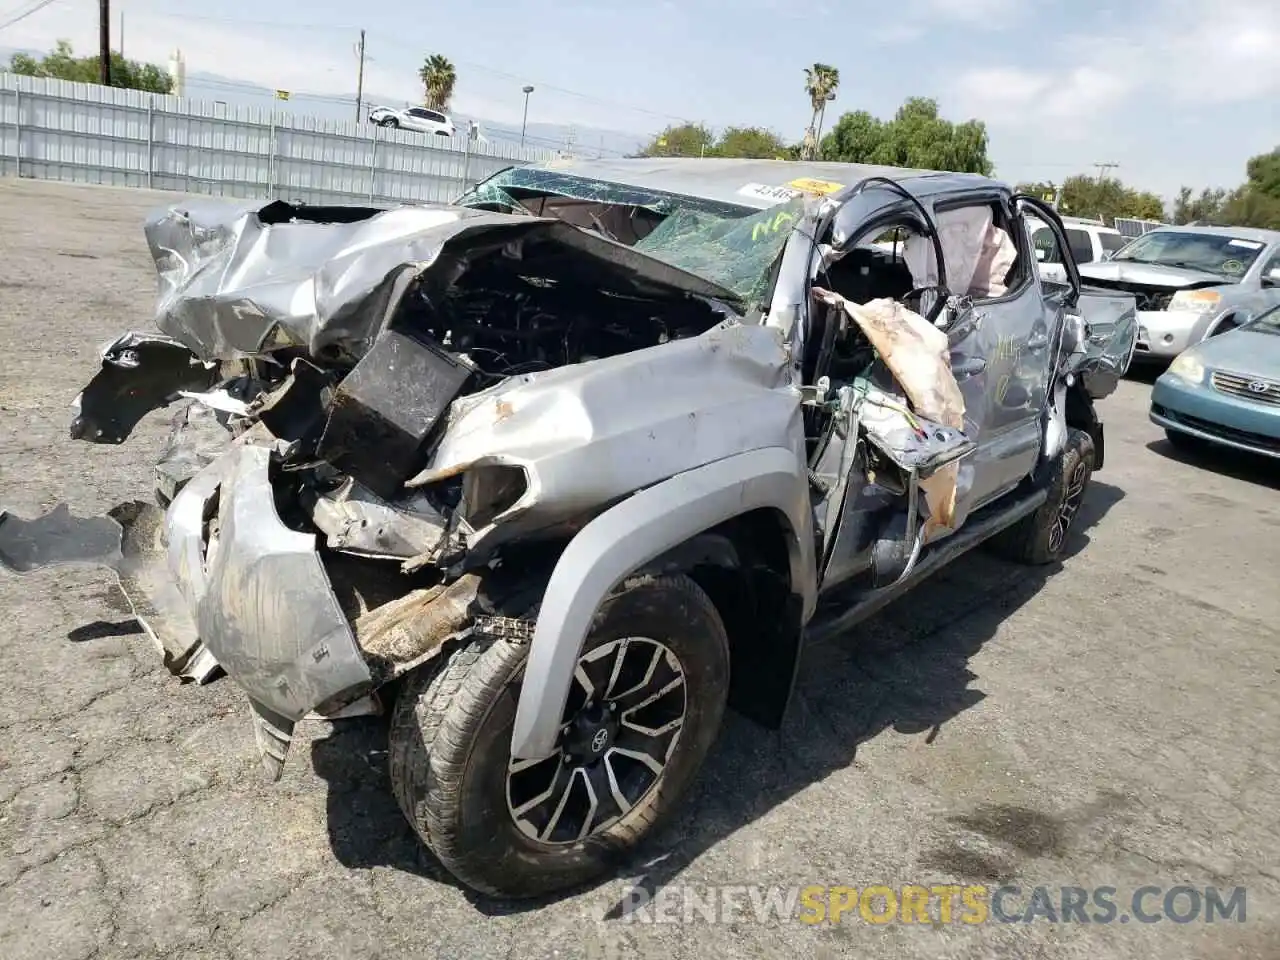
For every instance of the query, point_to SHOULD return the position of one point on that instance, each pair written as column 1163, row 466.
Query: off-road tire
column 1031, row 540
column 451, row 733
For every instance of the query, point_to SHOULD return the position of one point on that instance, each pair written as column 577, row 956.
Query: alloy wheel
column 623, row 719
column 1069, row 506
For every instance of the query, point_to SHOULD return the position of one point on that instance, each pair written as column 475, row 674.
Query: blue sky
column 1174, row 91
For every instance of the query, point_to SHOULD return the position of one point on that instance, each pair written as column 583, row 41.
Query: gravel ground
column 1112, row 722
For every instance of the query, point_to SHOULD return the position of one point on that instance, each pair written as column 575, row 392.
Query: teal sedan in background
column 1225, row 390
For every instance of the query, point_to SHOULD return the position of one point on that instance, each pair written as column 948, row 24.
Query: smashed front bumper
column 259, row 598
column 218, row 580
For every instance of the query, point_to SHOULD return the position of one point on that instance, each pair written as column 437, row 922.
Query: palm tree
column 438, row 79
column 820, row 83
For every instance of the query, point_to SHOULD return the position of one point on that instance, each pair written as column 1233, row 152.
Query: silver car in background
column 1192, row 283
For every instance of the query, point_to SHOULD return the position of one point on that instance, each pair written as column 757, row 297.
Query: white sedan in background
column 419, row 119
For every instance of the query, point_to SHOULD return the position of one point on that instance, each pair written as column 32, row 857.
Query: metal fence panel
column 1132, row 227
column 86, row 133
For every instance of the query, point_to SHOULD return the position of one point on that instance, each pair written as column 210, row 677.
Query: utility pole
column 104, row 42
column 360, row 80
column 1103, row 168
column 122, row 34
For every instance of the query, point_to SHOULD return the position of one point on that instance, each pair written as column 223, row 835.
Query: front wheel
column 648, row 696
column 1041, row 537
column 388, row 122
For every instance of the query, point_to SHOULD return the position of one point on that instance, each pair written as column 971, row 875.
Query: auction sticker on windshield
column 1246, row 244
column 761, row 191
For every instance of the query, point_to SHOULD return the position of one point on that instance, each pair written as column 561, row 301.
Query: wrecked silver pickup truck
column 557, row 472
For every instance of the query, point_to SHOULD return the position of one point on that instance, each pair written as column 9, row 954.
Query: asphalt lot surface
column 1110, row 722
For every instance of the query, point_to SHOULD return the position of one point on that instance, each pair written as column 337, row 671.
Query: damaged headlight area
column 490, row 491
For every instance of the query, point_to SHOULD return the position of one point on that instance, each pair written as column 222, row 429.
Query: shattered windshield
column 730, row 245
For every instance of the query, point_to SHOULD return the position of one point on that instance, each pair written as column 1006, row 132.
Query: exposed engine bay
column 509, row 318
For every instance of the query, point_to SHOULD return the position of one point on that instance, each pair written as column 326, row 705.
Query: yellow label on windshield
column 809, row 185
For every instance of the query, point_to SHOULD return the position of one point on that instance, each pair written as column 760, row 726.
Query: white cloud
column 980, row 11
column 1189, row 52
column 1125, row 91
column 911, row 19
column 1010, row 95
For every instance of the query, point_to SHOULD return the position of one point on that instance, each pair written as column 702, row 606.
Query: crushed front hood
column 239, row 280
column 1147, row 274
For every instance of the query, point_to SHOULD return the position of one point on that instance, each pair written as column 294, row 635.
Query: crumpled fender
column 140, row 372
column 631, row 534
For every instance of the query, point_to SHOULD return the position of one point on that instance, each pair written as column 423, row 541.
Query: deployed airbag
column 917, row 355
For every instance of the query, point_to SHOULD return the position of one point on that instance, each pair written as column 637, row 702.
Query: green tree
column 681, row 140
column 1256, row 202
column 916, row 137
column 438, row 80
column 1263, row 172
column 1108, row 198
column 698, row 140
column 754, row 142
column 1249, row 206
column 820, row 83
column 63, row 64
column 1207, row 207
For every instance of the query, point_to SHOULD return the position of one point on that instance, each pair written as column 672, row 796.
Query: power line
column 403, row 45
column 26, row 13
column 542, row 85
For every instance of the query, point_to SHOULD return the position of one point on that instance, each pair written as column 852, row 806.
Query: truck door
column 1000, row 345
column 1110, row 319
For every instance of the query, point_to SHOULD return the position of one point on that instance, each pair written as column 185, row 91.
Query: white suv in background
column 419, row 119
column 1090, row 241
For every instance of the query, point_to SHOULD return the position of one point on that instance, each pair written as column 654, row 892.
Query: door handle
column 968, row 368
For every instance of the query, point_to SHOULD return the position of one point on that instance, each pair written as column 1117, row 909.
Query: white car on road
column 419, row 119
